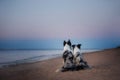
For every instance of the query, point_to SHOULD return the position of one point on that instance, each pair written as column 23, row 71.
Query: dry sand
column 105, row 66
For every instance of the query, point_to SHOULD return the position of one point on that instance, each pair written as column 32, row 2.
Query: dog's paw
column 58, row 70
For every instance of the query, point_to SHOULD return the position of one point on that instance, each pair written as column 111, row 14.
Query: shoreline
column 25, row 61
column 36, row 56
column 105, row 66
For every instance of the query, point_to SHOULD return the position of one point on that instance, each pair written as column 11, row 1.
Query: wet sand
column 105, row 66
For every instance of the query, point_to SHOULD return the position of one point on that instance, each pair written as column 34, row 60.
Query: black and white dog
column 67, row 56
column 78, row 57
column 72, row 57
column 77, row 54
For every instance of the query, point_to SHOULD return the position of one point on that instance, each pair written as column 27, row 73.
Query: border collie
column 77, row 54
column 78, row 57
column 67, row 56
column 72, row 57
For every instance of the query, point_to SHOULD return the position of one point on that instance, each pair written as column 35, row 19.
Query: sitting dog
column 72, row 58
column 77, row 54
column 67, row 56
column 78, row 57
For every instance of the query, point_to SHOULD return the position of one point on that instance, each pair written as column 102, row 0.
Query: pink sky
column 29, row 19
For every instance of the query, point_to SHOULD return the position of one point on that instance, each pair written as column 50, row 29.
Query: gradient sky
column 59, row 19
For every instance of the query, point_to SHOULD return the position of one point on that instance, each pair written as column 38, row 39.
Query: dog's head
column 76, row 47
column 67, row 45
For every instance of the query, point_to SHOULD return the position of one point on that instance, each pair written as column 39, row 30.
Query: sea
column 15, row 57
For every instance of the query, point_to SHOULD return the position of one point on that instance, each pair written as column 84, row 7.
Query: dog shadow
column 83, row 66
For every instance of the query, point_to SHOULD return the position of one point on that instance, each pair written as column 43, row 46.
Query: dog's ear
column 64, row 42
column 69, row 42
column 73, row 46
column 79, row 45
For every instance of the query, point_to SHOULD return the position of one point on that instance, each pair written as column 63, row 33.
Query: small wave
column 29, row 60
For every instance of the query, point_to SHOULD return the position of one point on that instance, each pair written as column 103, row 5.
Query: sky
column 91, row 21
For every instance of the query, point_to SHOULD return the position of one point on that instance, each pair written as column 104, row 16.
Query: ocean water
column 58, row 44
column 14, row 57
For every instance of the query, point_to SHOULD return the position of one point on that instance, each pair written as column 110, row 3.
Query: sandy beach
column 105, row 66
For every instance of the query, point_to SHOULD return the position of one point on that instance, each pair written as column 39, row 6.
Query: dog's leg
column 63, row 62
